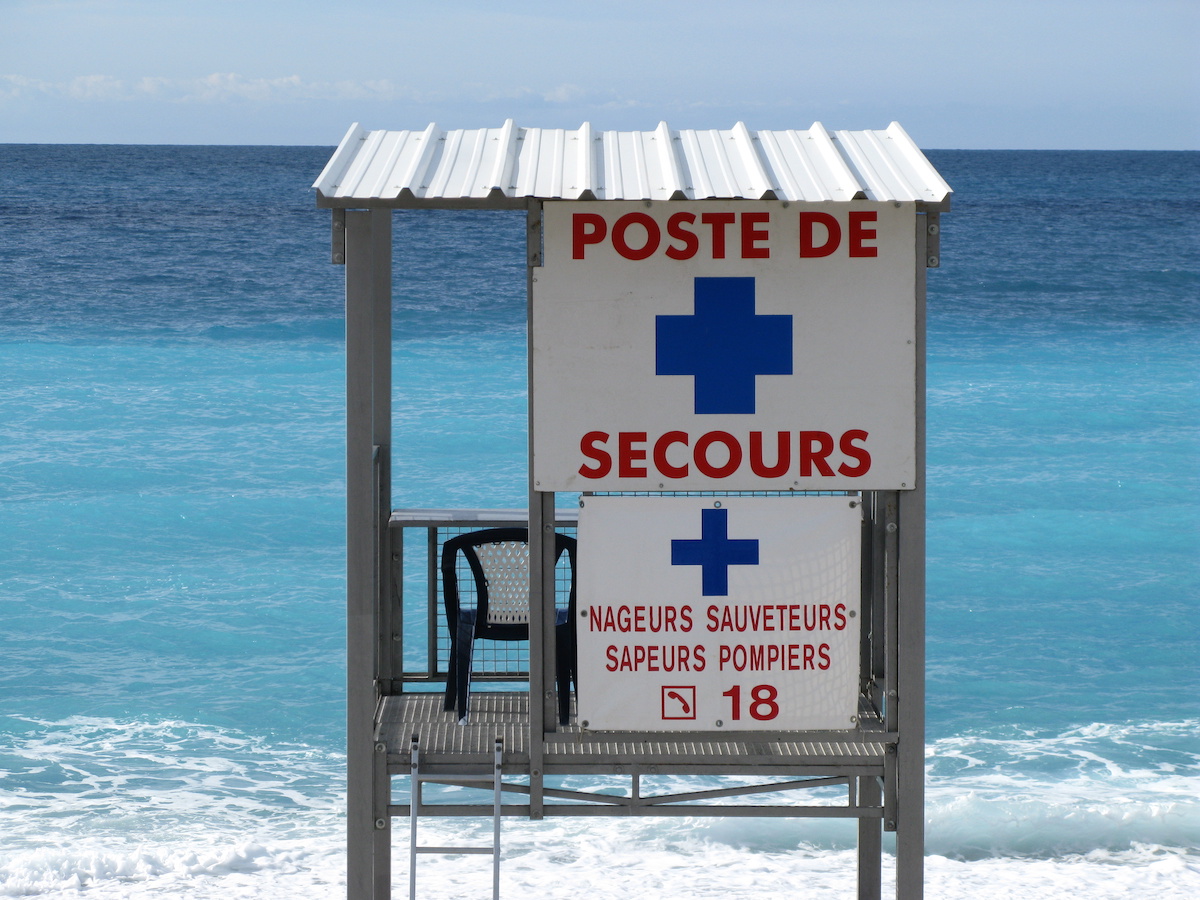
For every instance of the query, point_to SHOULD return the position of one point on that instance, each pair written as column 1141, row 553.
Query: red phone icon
column 678, row 701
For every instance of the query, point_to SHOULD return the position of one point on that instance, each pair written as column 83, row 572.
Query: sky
column 957, row 74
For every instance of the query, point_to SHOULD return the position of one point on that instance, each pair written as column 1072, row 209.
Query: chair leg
column 564, row 669
column 451, row 699
column 465, row 650
column 573, row 657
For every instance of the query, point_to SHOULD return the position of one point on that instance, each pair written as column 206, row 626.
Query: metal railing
column 420, row 638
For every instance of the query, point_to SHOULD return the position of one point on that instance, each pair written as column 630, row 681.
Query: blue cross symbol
column 714, row 552
column 724, row 345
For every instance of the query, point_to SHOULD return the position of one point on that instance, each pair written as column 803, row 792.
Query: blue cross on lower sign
column 724, row 345
column 715, row 552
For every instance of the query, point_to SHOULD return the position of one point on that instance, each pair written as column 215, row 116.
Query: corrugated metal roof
column 505, row 166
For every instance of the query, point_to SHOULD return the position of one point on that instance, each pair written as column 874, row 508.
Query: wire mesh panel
column 426, row 634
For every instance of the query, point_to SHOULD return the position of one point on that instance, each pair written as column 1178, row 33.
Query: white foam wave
column 206, row 868
column 142, row 780
column 612, row 860
column 106, row 808
column 1097, row 787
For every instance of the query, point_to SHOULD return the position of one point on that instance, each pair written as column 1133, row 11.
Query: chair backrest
column 505, row 567
column 499, row 562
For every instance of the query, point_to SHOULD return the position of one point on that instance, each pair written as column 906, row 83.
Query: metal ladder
column 414, row 806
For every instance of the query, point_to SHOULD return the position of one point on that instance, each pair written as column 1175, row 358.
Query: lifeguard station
column 726, row 395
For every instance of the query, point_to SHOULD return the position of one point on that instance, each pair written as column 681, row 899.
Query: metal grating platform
column 449, row 747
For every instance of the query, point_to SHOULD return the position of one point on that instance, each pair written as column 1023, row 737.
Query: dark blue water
column 171, row 524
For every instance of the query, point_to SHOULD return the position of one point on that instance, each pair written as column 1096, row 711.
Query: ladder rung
column 488, row 850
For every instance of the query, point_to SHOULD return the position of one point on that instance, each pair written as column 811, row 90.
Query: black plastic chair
column 499, row 561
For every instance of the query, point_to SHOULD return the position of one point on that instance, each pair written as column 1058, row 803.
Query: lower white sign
column 718, row 613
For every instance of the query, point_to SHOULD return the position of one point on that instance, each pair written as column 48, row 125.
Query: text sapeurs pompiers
column 726, row 375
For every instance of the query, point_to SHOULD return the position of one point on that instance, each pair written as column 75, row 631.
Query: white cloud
column 218, row 87
column 15, row 86
column 153, row 86
column 223, row 86
column 564, row 93
column 96, row 87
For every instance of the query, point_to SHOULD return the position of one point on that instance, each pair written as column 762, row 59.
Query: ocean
column 172, row 534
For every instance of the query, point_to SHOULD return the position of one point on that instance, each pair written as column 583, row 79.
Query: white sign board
column 718, row 613
column 725, row 345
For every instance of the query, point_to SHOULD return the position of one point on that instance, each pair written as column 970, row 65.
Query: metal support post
column 549, row 593
column 910, row 761
column 910, row 752
column 890, row 506
column 866, row 621
column 541, row 548
column 414, row 811
column 368, row 440
column 497, row 800
column 393, row 624
column 879, row 603
column 870, row 842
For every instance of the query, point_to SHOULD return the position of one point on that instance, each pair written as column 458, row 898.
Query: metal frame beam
column 886, row 795
column 541, row 554
column 910, row 627
column 368, row 255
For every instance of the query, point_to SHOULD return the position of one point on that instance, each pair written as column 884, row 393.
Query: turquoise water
column 172, row 539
